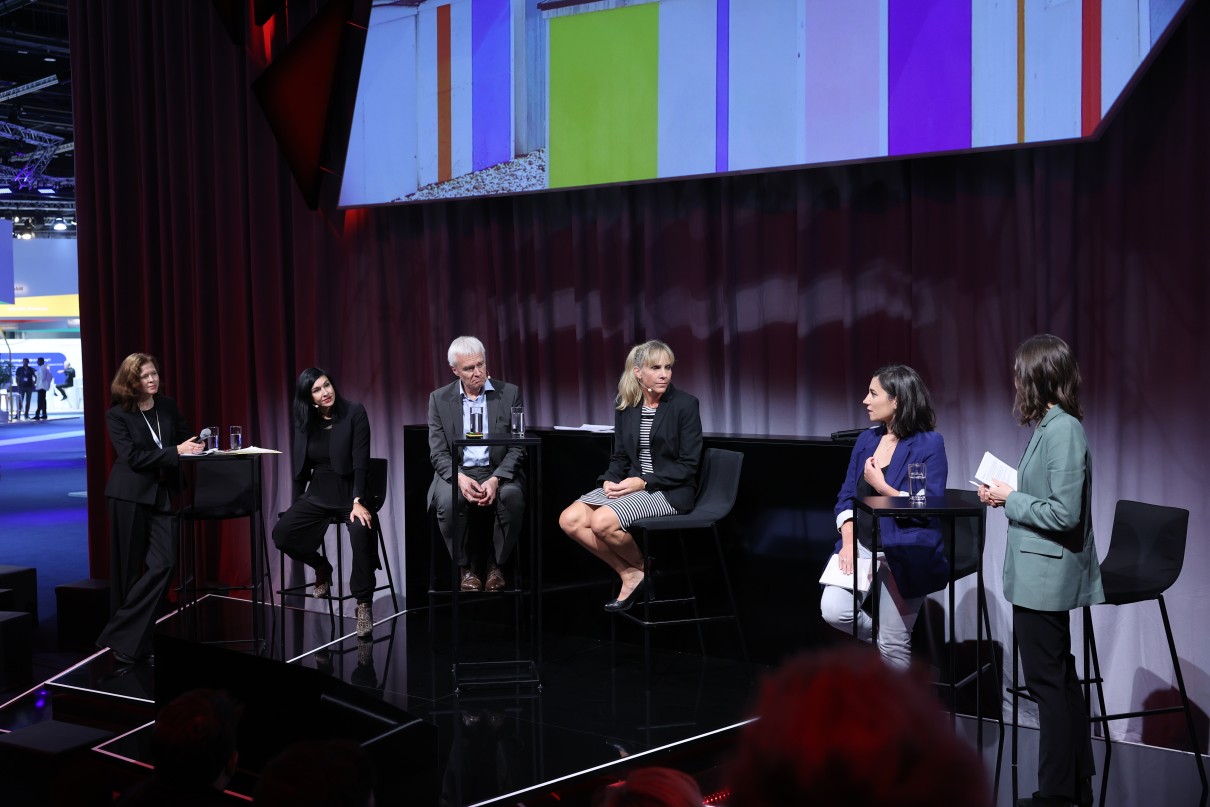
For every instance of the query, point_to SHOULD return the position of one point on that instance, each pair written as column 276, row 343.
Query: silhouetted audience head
column 193, row 745
column 194, row 739
column 318, row 773
column 653, row 787
column 843, row 728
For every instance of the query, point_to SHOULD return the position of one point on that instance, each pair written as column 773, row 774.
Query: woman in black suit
column 657, row 445
column 149, row 435
column 332, row 453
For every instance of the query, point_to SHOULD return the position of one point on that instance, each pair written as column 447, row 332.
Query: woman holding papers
column 915, row 560
column 332, row 454
column 657, row 444
column 1050, row 563
column 149, row 435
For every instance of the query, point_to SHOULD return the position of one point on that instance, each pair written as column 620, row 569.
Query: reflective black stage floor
column 594, row 715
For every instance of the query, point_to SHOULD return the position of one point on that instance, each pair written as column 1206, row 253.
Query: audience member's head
column 318, row 773
column 653, row 787
column 843, row 728
column 194, row 739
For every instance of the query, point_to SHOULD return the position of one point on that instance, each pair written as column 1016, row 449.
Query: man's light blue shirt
column 478, row 456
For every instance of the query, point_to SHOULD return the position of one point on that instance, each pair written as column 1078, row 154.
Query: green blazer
column 1050, row 563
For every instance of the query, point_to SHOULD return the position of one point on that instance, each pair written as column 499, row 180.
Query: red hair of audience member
column 653, row 787
column 843, row 728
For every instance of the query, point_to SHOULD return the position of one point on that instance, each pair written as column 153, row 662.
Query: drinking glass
column 237, row 438
column 518, row 421
column 917, row 477
column 476, row 429
column 211, row 438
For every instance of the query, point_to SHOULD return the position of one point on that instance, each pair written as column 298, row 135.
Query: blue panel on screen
column 8, row 293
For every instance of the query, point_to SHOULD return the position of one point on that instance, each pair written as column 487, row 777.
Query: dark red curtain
column 780, row 292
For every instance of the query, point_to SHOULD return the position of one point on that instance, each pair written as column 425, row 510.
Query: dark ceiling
column 36, row 125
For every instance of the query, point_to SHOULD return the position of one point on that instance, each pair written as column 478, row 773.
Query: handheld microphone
column 203, row 435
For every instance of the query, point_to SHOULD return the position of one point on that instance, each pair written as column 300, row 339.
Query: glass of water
column 518, row 421
column 237, row 438
column 212, row 436
column 476, row 424
column 917, row 479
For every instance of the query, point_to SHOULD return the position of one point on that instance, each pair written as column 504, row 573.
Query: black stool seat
column 718, row 486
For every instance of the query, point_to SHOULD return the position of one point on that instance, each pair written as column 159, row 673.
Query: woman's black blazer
column 140, row 467
column 676, row 448
column 349, row 445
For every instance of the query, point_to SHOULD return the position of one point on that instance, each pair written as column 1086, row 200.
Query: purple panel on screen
column 722, row 86
column 1160, row 13
column 8, row 292
column 491, row 82
column 929, row 62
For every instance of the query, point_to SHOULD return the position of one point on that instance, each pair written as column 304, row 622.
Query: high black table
column 231, row 489
column 948, row 507
column 524, row 671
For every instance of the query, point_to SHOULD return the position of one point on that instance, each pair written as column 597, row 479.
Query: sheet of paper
column 992, row 467
column 586, row 427
column 252, row 450
column 833, row 576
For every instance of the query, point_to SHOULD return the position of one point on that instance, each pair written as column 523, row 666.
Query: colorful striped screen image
column 483, row 97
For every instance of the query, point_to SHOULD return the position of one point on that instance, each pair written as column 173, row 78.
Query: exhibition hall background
column 780, row 292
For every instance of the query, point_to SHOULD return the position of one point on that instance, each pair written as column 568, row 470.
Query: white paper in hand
column 833, row 576
column 992, row 468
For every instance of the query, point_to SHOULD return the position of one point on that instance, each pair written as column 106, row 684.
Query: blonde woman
column 657, row 444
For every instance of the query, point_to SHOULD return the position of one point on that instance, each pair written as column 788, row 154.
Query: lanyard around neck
column 155, row 433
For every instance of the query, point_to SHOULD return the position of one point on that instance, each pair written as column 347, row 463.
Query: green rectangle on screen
column 603, row 96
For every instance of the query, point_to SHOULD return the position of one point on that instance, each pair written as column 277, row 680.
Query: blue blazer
column 914, row 547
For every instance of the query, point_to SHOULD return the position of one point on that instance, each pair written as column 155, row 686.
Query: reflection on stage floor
column 591, row 719
column 591, row 708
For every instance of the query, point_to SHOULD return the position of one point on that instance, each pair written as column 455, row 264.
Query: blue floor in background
column 42, row 524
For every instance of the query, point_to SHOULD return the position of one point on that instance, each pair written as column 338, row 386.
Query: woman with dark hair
column 149, row 435
column 1050, row 562
column 332, row 453
column 657, row 445
column 916, row 563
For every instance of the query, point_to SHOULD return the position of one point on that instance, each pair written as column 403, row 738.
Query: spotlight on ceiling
column 24, row 230
column 5, row 189
column 59, row 225
column 46, row 191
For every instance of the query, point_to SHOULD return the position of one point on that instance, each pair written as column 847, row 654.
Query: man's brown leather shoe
column 495, row 579
column 470, row 580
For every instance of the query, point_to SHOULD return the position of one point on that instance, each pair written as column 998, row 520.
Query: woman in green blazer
column 1050, row 564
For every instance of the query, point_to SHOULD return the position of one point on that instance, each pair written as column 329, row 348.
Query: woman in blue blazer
column 1050, row 561
column 657, row 444
column 331, row 460
column 916, row 563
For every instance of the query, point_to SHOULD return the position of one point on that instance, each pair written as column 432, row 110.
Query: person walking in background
column 42, row 385
column 1050, row 561
column 26, row 380
column 69, row 380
